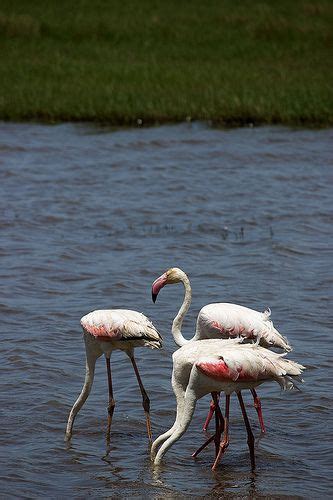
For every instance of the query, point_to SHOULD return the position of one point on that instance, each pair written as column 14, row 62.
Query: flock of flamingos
column 229, row 352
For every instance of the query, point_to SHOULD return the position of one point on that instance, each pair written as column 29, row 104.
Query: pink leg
column 210, row 413
column 250, row 438
column 225, row 441
column 219, row 421
column 206, row 443
column 112, row 402
column 257, row 405
column 145, row 398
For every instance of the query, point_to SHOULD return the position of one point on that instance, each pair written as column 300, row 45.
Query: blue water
column 89, row 217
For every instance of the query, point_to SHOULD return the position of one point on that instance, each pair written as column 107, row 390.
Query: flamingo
column 211, row 366
column 222, row 321
column 107, row 330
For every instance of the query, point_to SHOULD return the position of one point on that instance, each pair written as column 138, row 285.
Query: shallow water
column 89, row 217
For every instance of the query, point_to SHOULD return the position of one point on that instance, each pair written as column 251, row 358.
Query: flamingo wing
column 217, row 369
column 246, row 363
column 224, row 320
column 231, row 368
column 121, row 324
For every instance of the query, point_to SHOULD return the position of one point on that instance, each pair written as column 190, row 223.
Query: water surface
column 88, row 218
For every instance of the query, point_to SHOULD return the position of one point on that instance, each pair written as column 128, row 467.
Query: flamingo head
column 171, row 276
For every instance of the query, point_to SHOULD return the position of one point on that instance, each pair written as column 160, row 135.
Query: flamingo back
column 121, row 325
column 224, row 320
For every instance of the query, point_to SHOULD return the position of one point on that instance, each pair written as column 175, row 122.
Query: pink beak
column 157, row 285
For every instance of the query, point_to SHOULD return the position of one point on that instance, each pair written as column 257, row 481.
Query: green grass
column 229, row 61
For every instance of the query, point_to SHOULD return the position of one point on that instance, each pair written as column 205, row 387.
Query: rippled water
column 89, row 217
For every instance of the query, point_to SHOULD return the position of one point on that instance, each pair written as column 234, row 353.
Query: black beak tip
column 154, row 297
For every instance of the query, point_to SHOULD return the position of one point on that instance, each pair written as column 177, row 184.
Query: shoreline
column 231, row 123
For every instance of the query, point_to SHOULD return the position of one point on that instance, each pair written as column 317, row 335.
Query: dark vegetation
column 228, row 61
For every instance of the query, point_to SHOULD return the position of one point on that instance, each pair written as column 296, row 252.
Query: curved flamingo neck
column 178, row 321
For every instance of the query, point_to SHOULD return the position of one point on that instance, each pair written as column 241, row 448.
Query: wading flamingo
column 222, row 321
column 210, row 366
column 107, row 330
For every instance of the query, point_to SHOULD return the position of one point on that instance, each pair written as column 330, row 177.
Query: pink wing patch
column 233, row 331
column 219, row 370
column 102, row 332
column 217, row 326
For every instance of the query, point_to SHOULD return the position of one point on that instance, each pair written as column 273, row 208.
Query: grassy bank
column 229, row 61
